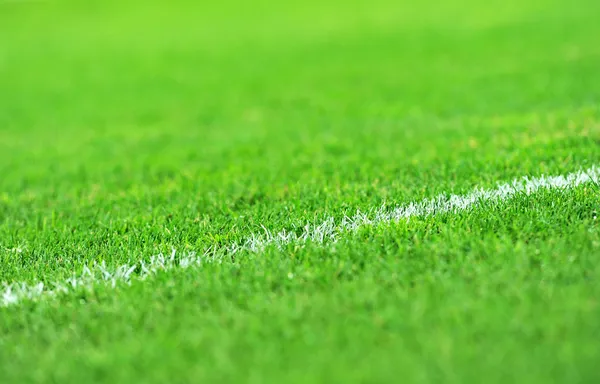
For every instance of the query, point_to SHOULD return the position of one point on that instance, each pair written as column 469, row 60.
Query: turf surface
column 128, row 129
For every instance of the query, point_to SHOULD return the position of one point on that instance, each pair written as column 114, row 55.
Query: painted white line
column 326, row 232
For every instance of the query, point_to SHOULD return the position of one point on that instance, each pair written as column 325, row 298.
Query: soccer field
column 309, row 191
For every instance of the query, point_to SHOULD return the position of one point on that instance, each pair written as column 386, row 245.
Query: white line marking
column 326, row 232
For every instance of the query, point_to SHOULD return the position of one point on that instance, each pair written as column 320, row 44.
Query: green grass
column 131, row 129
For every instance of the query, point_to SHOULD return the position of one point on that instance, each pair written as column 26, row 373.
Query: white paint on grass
column 328, row 231
column 96, row 274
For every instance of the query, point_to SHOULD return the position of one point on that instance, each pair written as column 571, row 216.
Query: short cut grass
column 132, row 129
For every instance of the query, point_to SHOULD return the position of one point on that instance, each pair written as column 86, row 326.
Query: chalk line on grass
column 326, row 232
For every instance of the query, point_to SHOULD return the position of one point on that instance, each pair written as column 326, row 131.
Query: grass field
column 307, row 191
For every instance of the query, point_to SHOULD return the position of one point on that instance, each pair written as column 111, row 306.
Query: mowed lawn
column 132, row 129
